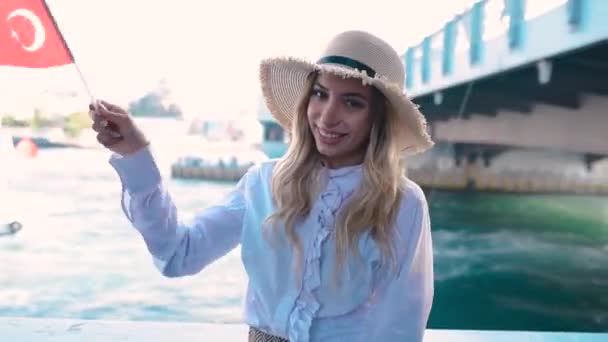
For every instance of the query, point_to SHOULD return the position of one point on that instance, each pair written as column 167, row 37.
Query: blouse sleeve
column 402, row 304
column 177, row 249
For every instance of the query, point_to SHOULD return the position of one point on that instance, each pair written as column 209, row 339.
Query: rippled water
column 502, row 262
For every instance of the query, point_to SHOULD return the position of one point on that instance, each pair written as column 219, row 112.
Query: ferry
column 8, row 226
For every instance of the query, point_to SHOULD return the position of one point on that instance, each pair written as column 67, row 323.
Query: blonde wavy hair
column 374, row 205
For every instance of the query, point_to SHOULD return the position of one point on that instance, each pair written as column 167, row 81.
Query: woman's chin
column 328, row 151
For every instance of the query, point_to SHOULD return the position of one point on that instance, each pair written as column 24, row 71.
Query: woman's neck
column 341, row 162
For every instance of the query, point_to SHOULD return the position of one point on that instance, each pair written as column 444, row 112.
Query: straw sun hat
column 349, row 54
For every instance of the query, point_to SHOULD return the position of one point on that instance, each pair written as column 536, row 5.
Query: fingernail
column 100, row 104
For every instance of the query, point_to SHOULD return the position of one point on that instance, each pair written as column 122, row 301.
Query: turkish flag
column 29, row 36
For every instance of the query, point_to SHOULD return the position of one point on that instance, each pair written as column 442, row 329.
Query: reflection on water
column 502, row 262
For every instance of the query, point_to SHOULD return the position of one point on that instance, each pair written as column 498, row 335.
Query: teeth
column 328, row 134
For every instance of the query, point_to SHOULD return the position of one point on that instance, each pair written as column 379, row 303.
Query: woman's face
column 340, row 119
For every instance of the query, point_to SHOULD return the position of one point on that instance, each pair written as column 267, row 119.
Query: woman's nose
column 330, row 113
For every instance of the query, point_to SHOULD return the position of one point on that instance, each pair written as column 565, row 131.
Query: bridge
column 515, row 93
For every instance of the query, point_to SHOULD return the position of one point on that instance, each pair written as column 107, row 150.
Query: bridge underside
column 559, row 104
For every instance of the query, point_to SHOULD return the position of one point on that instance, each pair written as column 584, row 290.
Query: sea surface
column 503, row 262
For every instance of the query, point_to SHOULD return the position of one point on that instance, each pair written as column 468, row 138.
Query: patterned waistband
column 256, row 335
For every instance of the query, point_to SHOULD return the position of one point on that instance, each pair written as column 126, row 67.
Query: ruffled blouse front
column 331, row 200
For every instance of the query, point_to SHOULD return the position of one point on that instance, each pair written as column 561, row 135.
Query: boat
column 10, row 228
column 274, row 138
column 217, row 149
column 218, row 161
column 8, row 159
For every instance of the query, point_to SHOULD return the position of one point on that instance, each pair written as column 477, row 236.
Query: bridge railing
column 72, row 330
column 465, row 37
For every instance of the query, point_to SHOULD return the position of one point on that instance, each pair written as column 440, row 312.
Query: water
column 502, row 262
column 511, row 262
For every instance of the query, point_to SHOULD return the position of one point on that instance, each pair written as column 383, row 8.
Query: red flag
column 29, row 36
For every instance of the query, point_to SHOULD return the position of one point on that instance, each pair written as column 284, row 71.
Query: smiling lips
column 330, row 137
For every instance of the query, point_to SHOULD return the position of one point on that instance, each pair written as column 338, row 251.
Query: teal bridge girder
column 547, row 59
column 497, row 36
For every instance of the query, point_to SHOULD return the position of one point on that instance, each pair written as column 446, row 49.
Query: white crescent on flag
column 40, row 33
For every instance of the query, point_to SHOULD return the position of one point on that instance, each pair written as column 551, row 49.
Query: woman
column 334, row 238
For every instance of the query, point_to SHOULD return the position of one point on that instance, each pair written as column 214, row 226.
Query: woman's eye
column 318, row 93
column 354, row 104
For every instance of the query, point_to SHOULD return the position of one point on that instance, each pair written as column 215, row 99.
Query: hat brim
column 283, row 80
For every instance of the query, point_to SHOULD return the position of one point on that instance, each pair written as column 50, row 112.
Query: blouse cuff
column 138, row 172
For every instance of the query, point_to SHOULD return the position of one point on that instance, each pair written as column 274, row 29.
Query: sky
column 208, row 52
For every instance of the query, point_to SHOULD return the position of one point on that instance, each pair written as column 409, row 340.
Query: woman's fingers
column 102, row 126
column 105, row 120
column 97, row 126
column 112, row 107
column 112, row 113
column 107, row 140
